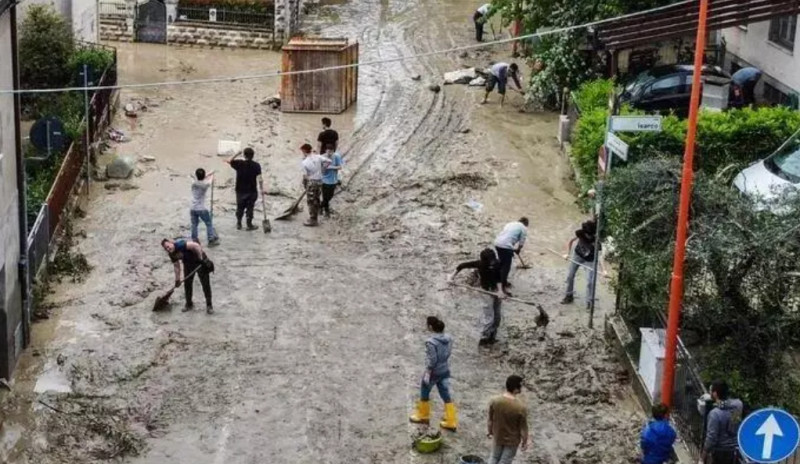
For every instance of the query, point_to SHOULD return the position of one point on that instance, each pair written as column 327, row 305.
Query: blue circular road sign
column 769, row 435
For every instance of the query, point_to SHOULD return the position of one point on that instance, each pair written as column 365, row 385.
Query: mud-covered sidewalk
column 315, row 352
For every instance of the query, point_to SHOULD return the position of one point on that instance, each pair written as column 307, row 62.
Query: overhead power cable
column 212, row 80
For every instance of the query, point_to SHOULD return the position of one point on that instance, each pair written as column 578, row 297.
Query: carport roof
column 680, row 20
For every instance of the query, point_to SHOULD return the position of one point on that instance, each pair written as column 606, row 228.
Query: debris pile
column 575, row 376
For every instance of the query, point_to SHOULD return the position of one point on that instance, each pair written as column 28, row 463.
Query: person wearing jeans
column 582, row 256
column 489, row 278
column 437, row 373
column 510, row 240
column 330, row 178
column 508, row 423
column 199, row 211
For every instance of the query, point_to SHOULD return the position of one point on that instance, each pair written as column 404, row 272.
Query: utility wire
column 560, row 30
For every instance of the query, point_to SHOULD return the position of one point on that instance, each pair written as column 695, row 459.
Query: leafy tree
column 742, row 275
column 559, row 60
column 45, row 46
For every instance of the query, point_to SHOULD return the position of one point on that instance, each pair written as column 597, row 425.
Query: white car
column 769, row 179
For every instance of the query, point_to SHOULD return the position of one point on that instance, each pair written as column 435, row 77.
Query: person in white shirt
column 510, row 240
column 199, row 211
column 498, row 75
column 480, row 17
column 313, row 166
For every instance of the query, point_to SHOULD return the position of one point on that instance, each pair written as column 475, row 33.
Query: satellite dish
column 48, row 135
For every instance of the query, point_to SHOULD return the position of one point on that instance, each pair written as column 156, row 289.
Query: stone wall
column 115, row 30
column 206, row 36
column 194, row 34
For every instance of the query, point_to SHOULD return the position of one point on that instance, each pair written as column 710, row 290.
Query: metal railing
column 689, row 387
column 37, row 251
column 114, row 9
column 212, row 15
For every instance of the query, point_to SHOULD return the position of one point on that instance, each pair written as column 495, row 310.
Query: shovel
column 522, row 264
column 292, row 209
column 265, row 223
column 163, row 300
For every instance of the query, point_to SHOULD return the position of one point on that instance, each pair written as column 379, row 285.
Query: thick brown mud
column 316, row 349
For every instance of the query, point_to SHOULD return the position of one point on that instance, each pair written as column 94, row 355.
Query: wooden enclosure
column 319, row 92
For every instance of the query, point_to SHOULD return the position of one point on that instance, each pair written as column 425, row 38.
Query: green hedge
column 593, row 95
column 735, row 137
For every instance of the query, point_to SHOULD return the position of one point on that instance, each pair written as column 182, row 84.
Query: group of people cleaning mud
column 507, row 423
column 321, row 176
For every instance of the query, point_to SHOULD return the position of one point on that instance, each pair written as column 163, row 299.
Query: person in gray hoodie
column 722, row 427
column 437, row 373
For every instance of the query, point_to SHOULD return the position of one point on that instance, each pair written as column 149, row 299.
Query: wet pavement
column 316, row 349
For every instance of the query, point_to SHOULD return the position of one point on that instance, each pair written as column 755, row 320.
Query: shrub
column 588, row 138
column 740, row 287
column 97, row 59
column 594, row 95
column 734, row 137
column 45, row 46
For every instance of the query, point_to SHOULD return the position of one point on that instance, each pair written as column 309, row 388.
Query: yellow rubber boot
column 450, row 421
column 423, row 414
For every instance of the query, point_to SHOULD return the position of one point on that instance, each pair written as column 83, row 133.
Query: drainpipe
column 20, row 161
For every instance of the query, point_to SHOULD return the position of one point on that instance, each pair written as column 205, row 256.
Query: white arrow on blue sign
column 769, row 435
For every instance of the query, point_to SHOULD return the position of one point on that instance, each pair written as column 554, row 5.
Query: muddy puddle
column 315, row 351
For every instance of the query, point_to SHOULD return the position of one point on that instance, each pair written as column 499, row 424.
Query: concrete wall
column 10, row 288
column 85, row 20
column 82, row 14
column 751, row 46
column 287, row 19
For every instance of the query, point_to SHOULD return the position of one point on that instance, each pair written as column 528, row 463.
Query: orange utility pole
column 676, row 285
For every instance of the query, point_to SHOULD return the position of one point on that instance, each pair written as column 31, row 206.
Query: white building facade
column 770, row 46
column 11, row 235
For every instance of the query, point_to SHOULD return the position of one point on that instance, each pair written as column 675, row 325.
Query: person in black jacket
column 194, row 260
column 490, row 277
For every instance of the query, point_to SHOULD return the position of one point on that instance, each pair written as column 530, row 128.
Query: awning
column 680, row 20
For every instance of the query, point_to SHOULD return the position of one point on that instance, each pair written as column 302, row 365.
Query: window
column 773, row 96
column 782, row 31
column 669, row 85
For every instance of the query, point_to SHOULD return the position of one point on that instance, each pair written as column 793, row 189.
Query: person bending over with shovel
column 437, row 373
column 490, row 277
column 194, row 261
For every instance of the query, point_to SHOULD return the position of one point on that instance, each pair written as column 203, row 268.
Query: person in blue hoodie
column 437, row 373
column 657, row 437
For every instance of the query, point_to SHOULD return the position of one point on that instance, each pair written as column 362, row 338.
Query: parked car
column 776, row 175
column 666, row 89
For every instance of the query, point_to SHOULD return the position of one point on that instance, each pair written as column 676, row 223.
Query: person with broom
column 490, row 278
column 199, row 211
column 437, row 373
column 195, row 261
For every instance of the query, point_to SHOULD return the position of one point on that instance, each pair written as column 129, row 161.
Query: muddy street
column 315, row 352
